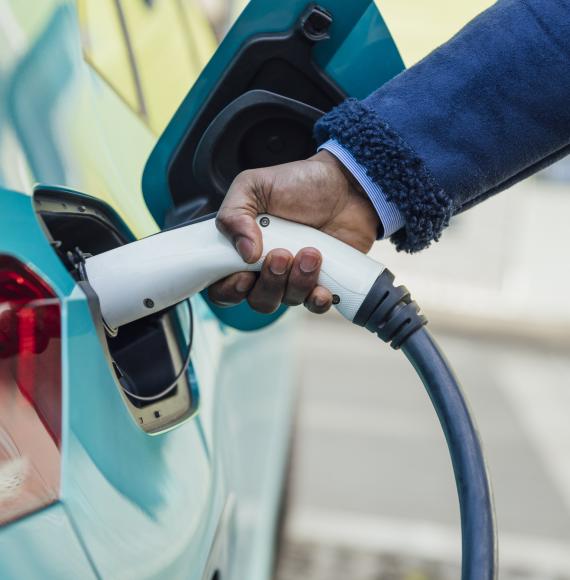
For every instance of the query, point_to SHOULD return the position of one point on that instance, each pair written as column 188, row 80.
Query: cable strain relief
column 389, row 311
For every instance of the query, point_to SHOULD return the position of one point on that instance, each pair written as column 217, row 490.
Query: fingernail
column 309, row 263
column 243, row 285
column 320, row 301
column 278, row 265
column 245, row 248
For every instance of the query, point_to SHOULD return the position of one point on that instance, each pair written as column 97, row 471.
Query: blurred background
column 372, row 495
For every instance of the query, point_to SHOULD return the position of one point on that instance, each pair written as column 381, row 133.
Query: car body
column 89, row 141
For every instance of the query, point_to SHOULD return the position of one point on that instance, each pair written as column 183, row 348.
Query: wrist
column 339, row 172
column 357, row 206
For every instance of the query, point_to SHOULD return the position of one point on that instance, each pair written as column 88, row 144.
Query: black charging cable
column 390, row 312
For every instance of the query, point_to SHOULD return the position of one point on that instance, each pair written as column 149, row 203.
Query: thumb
column 236, row 218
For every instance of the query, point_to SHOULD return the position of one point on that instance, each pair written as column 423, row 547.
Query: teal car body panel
column 204, row 496
column 33, row 542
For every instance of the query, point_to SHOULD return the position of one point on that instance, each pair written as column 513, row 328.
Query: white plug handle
column 148, row 275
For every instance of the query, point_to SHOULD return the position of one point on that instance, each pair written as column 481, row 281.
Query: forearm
column 484, row 110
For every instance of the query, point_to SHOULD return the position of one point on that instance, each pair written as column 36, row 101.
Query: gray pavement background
column 373, row 495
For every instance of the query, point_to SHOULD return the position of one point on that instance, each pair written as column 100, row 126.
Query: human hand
column 317, row 192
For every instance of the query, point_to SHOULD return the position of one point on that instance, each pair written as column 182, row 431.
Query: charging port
column 150, row 351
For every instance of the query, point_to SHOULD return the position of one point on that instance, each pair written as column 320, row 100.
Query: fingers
column 303, row 277
column 233, row 289
column 236, row 216
column 283, row 279
column 288, row 280
column 269, row 290
column 319, row 300
column 264, row 294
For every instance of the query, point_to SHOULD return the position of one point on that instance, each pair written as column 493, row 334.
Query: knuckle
column 245, row 177
column 271, row 289
column 223, row 299
column 292, row 301
column 267, row 293
column 244, row 282
column 300, row 287
column 215, row 292
column 293, row 296
column 297, row 294
column 226, row 290
column 304, row 282
column 262, row 306
column 222, row 219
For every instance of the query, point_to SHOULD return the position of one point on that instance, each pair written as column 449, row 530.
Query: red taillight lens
column 30, row 391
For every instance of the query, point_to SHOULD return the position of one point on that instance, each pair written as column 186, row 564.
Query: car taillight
column 30, row 391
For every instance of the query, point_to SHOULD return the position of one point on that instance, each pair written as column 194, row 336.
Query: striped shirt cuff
column 388, row 212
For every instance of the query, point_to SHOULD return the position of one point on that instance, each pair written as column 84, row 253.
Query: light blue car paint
column 205, row 495
column 44, row 545
column 35, row 85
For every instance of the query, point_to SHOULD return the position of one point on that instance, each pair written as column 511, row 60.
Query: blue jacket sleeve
column 481, row 112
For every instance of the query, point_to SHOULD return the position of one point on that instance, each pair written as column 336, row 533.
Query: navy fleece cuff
column 395, row 167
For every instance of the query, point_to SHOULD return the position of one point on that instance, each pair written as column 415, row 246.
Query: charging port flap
column 145, row 356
